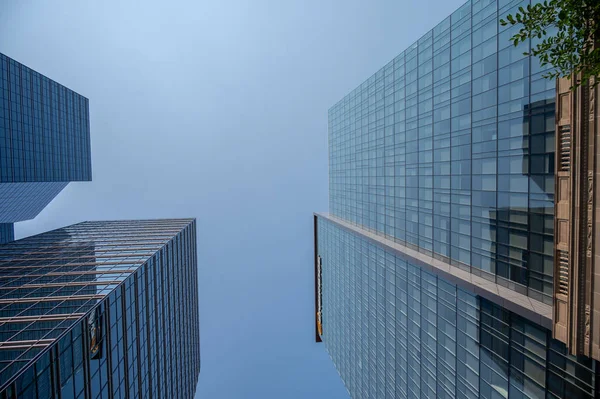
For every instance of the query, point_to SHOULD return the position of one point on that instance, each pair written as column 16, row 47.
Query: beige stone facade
column 576, row 313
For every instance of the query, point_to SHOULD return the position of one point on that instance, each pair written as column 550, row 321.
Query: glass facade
column 7, row 232
column 434, row 269
column 24, row 201
column 44, row 139
column 449, row 150
column 101, row 309
column 394, row 330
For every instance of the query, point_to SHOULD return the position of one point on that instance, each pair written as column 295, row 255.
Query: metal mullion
column 75, row 273
column 55, row 365
column 157, row 321
column 125, row 338
column 51, row 299
column 49, row 317
column 165, row 313
column 61, row 265
column 61, row 285
column 147, row 315
column 86, row 360
column 20, row 105
column 108, row 343
column 137, row 328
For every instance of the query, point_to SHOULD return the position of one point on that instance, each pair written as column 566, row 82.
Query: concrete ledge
column 524, row 306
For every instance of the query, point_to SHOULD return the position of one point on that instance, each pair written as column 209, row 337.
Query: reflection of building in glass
column 101, row 308
column 436, row 260
column 44, row 140
column 520, row 222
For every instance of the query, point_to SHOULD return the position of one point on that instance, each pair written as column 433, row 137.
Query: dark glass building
column 434, row 270
column 101, row 309
column 44, row 140
column 7, row 232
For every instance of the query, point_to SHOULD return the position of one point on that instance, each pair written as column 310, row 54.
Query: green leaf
column 561, row 30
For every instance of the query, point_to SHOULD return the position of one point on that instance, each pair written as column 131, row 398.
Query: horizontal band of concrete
column 531, row 309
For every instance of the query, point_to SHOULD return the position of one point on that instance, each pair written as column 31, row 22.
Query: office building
column 101, row 309
column 436, row 268
column 44, row 140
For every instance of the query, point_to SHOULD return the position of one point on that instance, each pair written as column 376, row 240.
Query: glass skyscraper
column 44, row 140
column 101, row 309
column 434, row 268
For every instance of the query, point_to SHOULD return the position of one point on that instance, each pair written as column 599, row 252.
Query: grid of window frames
column 24, row 201
column 394, row 330
column 44, row 128
column 7, row 232
column 448, row 149
column 84, row 312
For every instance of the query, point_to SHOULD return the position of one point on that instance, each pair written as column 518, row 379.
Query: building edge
column 529, row 308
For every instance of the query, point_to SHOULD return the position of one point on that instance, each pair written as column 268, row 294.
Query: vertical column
column 389, row 151
column 576, row 300
column 562, row 222
column 594, row 122
column 412, row 148
column 400, row 149
column 425, row 129
column 460, row 136
column 441, row 140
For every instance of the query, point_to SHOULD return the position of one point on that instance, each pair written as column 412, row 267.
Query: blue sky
column 218, row 110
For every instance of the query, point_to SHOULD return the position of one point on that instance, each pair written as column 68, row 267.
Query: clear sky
column 218, row 110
